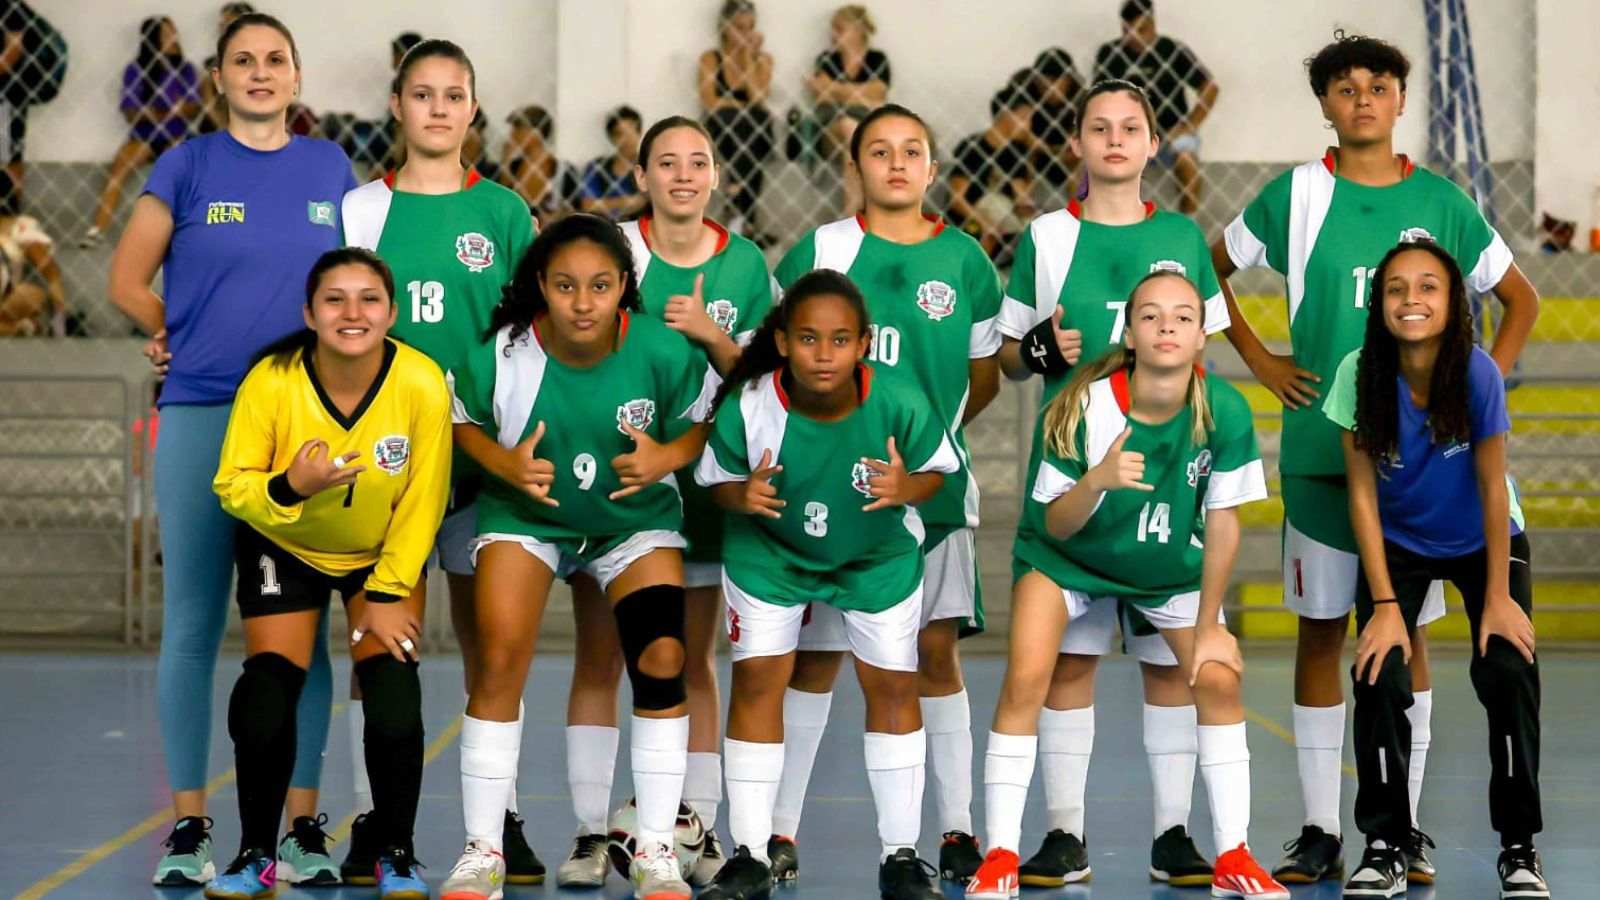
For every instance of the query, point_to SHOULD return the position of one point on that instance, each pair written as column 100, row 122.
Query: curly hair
column 1355, row 51
column 761, row 355
column 523, row 299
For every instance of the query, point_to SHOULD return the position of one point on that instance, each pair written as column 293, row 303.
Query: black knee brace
column 643, row 617
column 264, row 698
column 391, row 699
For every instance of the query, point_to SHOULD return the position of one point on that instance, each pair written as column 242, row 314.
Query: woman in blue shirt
column 1425, row 452
column 233, row 220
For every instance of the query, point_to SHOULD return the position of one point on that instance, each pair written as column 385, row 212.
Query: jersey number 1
column 1363, row 276
column 427, row 301
column 1157, row 521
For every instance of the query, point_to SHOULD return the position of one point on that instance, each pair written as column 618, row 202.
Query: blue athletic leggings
column 197, row 581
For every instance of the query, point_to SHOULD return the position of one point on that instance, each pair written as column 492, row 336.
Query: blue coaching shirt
column 1428, row 495
column 247, row 225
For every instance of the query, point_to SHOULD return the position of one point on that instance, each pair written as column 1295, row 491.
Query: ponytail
column 761, row 355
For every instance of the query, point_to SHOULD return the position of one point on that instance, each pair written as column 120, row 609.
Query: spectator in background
column 528, row 165
column 990, row 177
column 160, row 95
column 608, row 188
column 473, row 146
column 1056, row 86
column 371, row 144
column 848, row 81
column 734, row 80
column 33, row 63
column 23, row 302
column 1164, row 68
column 214, row 112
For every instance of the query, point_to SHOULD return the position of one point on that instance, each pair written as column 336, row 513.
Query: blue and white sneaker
column 396, row 880
column 188, row 857
column 253, row 875
column 303, row 854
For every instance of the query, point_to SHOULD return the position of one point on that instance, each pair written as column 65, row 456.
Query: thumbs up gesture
column 686, row 314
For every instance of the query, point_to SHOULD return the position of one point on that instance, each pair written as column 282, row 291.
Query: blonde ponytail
column 1064, row 412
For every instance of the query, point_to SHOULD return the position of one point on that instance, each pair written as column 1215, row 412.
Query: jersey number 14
column 1155, row 519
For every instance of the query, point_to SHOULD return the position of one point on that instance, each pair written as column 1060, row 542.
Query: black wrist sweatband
column 1386, row 600
column 281, row 492
column 1040, row 352
column 380, row 597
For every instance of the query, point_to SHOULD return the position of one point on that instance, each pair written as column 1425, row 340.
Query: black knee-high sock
column 261, row 721
column 391, row 694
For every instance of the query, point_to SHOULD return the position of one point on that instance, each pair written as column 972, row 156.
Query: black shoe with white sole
column 1382, row 873
column 1521, row 873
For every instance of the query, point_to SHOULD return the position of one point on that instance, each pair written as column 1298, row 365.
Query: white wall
column 1568, row 155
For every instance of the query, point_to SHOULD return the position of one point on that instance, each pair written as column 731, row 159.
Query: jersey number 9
column 583, row 466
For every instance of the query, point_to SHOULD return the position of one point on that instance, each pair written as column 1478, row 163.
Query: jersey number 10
column 885, row 345
column 427, row 301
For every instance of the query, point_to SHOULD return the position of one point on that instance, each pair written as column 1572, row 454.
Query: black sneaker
column 1521, row 873
column 904, row 876
column 742, row 877
column 1382, row 873
column 1419, row 868
column 1175, row 860
column 1062, row 859
column 361, row 863
column 959, row 856
column 1313, row 856
column 522, row 866
column 785, row 858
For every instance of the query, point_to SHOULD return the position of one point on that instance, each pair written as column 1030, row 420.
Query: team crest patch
column 319, row 213
column 636, row 413
column 1412, row 235
column 475, row 251
column 1199, row 467
column 724, row 313
column 937, row 299
column 1170, row 265
column 392, row 453
column 861, row 478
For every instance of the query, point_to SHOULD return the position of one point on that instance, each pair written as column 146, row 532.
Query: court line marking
column 1276, row 729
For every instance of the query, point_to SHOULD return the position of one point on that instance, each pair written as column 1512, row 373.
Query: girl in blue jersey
column 212, row 206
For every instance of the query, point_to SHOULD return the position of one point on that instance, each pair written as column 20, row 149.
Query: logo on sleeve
column 392, row 453
column 636, row 413
column 1199, row 467
column 937, row 299
column 1170, row 265
column 861, row 478
column 1412, row 235
column 319, row 213
column 225, row 212
column 475, row 251
column 724, row 313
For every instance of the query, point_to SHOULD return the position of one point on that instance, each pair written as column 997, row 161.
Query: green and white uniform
column 1145, row 548
column 655, row 381
column 738, row 291
column 1088, row 270
column 824, row 549
column 933, row 306
column 1325, row 235
column 451, row 255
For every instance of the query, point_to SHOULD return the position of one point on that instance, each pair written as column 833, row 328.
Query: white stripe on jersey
column 1493, row 263
column 641, row 250
column 1055, row 239
column 1236, row 487
column 1051, row 483
column 1103, row 422
column 364, row 212
column 517, row 377
column 836, row 244
column 943, row 459
column 985, row 339
column 765, row 419
column 710, row 471
column 1310, row 195
column 1217, row 318
column 458, row 410
column 1245, row 249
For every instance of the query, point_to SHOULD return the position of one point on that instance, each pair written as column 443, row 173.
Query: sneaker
column 996, row 878
column 1382, row 873
column 1521, row 873
column 362, row 860
column 656, row 875
column 1239, row 875
column 1312, row 857
column 396, row 880
column 959, row 856
column 785, row 856
column 587, row 864
column 188, row 857
column 1175, row 860
column 1062, row 859
column 522, row 864
column 303, row 854
column 480, row 874
column 710, row 862
column 741, row 878
column 904, row 876
column 91, row 238
column 1419, row 868
column 253, row 874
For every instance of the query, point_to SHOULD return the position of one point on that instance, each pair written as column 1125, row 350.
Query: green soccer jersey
column 738, row 293
column 1089, row 269
column 1325, row 234
column 933, row 306
column 823, row 530
column 1144, row 546
column 451, row 255
column 654, row 381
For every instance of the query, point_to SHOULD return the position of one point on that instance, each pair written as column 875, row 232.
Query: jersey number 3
column 427, row 301
column 817, row 519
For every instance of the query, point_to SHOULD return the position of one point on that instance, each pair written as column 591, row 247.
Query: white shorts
column 452, row 548
column 884, row 640
column 701, row 574
column 604, row 569
column 1091, row 632
column 949, row 591
column 1319, row 581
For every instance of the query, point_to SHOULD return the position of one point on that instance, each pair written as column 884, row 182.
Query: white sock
column 1319, row 749
column 511, row 793
column 355, row 713
column 805, row 716
column 489, row 753
column 897, row 770
column 1066, row 740
column 948, row 722
column 753, row 773
column 702, row 787
column 1421, row 716
column 1007, row 771
column 1225, row 763
column 1171, row 743
column 660, row 749
column 591, row 766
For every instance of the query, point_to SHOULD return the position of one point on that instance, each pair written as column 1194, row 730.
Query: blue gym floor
column 85, row 799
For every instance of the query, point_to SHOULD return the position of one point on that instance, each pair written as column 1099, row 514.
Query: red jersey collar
column 1120, row 387
column 862, row 370
column 471, row 179
column 938, row 223
column 1075, row 209
column 722, row 233
column 622, row 327
column 1330, row 161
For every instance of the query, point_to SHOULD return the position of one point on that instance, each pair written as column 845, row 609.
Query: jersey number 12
column 427, row 301
column 1156, row 522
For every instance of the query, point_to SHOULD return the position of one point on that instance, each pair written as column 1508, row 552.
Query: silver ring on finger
column 406, row 645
